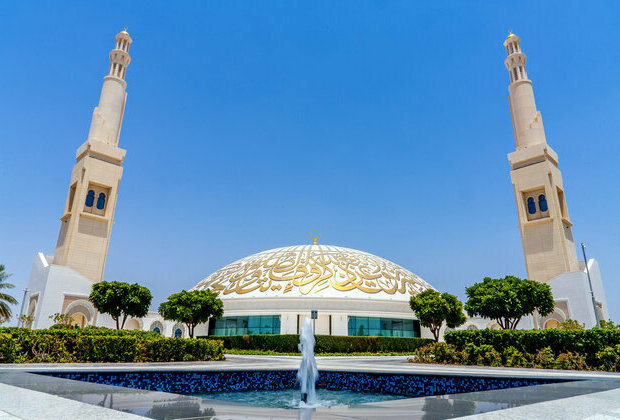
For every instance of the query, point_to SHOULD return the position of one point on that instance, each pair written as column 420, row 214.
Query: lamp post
column 21, row 310
column 585, row 259
column 314, row 315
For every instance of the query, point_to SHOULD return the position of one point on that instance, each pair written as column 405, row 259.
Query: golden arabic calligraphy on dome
column 310, row 269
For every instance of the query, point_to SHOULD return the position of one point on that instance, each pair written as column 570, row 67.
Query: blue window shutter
column 531, row 206
column 90, row 198
column 101, row 201
column 542, row 203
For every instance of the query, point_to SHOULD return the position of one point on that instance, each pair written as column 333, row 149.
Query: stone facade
column 86, row 223
column 544, row 224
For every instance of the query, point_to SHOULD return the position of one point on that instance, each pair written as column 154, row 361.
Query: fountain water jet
column 307, row 373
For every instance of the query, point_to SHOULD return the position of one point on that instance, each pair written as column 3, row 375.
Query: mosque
column 352, row 292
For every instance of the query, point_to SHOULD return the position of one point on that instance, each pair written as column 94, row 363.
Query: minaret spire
column 537, row 181
column 108, row 116
column 526, row 119
column 89, row 211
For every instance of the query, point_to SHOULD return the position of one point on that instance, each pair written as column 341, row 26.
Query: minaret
column 88, row 216
column 539, row 193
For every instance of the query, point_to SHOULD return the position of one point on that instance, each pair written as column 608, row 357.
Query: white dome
column 320, row 271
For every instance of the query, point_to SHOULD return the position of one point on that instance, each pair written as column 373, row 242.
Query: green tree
column 433, row 308
column 121, row 300
column 509, row 299
column 609, row 324
column 192, row 308
column 5, row 300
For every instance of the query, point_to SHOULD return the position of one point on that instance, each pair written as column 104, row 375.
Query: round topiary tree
column 508, row 299
column 192, row 308
column 121, row 300
column 433, row 308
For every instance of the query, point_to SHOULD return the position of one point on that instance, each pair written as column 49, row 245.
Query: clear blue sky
column 383, row 124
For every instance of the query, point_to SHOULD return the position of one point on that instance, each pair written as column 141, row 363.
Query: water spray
column 307, row 373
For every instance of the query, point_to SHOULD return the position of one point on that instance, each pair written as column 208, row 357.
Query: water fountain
column 307, row 373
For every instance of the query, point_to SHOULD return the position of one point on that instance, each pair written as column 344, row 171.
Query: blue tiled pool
column 404, row 385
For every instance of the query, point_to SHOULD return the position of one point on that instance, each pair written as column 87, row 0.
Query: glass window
column 542, row 203
column 178, row 333
column 531, row 205
column 362, row 326
column 90, row 198
column 101, row 201
column 242, row 325
column 387, row 327
column 156, row 329
column 374, row 326
column 351, row 322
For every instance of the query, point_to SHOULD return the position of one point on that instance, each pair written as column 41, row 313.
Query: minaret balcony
column 532, row 154
column 110, row 151
column 120, row 56
column 515, row 59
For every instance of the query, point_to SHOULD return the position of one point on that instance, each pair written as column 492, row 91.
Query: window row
column 386, row 327
column 242, row 325
column 357, row 326
column 177, row 332
column 90, row 200
column 542, row 204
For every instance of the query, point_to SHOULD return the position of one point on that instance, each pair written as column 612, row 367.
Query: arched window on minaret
column 542, row 203
column 101, row 201
column 531, row 206
column 90, row 198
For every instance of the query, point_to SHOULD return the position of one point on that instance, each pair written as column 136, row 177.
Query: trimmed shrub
column 23, row 345
column 544, row 358
column 279, row 343
column 484, row 355
column 65, row 327
column 570, row 361
column 7, row 349
column 437, row 353
column 571, row 324
column 93, row 348
column 609, row 358
column 446, row 353
column 424, row 354
column 514, row 358
column 585, row 342
column 525, row 353
column 288, row 343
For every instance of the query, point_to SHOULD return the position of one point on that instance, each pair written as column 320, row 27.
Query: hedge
column 21, row 345
column 288, row 343
column 585, row 342
column 607, row 359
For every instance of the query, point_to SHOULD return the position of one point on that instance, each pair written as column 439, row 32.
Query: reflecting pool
column 289, row 398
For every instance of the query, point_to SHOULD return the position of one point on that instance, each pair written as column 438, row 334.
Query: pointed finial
column 125, row 30
column 315, row 234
